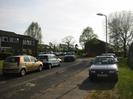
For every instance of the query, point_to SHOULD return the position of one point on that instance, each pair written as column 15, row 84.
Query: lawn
column 123, row 89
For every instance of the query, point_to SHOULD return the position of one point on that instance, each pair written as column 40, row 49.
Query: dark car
column 69, row 58
column 105, row 67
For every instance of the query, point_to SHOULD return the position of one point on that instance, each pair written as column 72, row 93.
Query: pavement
column 68, row 89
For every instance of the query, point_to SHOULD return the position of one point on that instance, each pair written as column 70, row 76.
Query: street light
column 100, row 14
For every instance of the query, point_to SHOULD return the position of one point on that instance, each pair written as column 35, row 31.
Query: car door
column 55, row 60
column 35, row 63
column 27, row 63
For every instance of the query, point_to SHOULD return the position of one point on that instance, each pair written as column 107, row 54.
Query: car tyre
column 59, row 64
column 91, row 78
column 23, row 72
column 50, row 66
column 5, row 74
column 40, row 68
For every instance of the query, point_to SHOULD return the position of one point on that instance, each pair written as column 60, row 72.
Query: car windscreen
column 104, row 60
column 12, row 59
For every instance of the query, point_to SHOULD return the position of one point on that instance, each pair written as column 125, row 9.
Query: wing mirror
column 92, row 62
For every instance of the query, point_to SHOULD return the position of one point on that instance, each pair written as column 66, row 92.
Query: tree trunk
column 125, row 50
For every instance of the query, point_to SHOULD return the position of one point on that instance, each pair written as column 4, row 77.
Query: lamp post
column 100, row 14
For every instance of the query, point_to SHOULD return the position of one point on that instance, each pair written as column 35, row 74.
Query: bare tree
column 121, row 29
column 69, row 41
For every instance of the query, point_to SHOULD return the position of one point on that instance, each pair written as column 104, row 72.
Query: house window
column 11, row 40
column 4, row 39
column 27, row 42
column 24, row 42
column 33, row 42
column 14, row 40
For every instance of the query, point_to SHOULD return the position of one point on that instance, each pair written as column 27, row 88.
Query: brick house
column 19, row 44
column 96, row 47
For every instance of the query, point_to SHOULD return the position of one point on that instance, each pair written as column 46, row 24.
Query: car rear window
column 43, row 57
column 12, row 59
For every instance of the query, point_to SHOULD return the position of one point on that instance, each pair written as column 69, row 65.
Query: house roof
column 8, row 33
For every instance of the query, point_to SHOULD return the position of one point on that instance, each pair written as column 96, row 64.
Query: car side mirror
column 91, row 62
column 36, row 60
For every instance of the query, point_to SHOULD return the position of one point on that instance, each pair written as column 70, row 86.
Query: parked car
column 110, row 54
column 21, row 64
column 49, row 60
column 69, row 58
column 105, row 67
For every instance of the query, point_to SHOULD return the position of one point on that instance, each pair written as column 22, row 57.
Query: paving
column 38, row 85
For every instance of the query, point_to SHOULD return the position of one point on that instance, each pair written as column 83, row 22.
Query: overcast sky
column 59, row 18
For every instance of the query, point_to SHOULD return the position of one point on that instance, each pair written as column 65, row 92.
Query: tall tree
column 68, row 40
column 53, row 46
column 120, row 26
column 86, row 35
column 34, row 30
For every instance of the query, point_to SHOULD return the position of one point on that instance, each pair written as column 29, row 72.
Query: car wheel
column 91, row 78
column 40, row 68
column 59, row 64
column 23, row 72
column 5, row 74
column 50, row 66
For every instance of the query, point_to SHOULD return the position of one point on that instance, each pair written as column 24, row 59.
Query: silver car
column 49, row 60
column 105, row 67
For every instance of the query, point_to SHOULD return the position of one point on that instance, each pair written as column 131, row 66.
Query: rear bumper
column 7, row 71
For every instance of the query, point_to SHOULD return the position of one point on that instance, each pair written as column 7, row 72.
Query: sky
column 59, row 18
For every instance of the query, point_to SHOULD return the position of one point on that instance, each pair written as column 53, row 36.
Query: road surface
column 37, row 85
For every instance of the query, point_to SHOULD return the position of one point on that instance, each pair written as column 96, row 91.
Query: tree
column 53, row 46
column 86, row 35
column 68, row 40
column 34, row 30
column 120, row 26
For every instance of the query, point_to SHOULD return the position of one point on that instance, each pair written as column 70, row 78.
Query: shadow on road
column 99, row 84
column 7, row 77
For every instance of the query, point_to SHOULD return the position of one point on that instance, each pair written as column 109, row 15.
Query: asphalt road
column 13, row 87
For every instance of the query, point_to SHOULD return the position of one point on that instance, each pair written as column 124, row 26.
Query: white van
column 49, row 60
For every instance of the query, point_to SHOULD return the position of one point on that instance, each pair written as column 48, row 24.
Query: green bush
column 4, row 55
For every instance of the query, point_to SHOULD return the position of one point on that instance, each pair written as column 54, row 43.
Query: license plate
column 102, row 75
